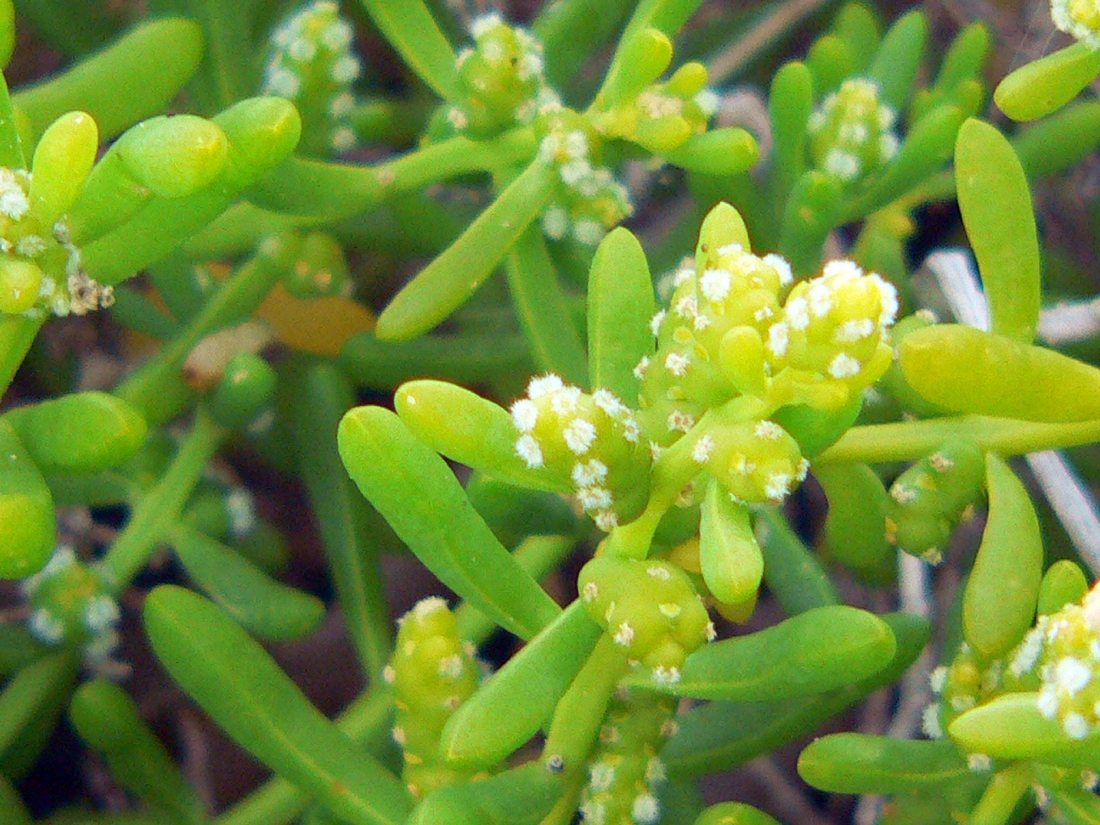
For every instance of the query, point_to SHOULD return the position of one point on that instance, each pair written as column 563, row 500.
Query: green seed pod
column 432, row 673
column 649, row 608
column 71, row 604
column 82, row 432
column 932, row 497
column 311, row 64
column 27, row 526
column 244, row 393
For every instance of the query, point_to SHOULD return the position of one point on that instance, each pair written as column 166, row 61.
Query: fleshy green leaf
column 415, row 490
column 813, row 652
column 256, row 703
column 620, row 305
column 509, row 709
column 995, row 202
column 858, row 763
column 1003, row 589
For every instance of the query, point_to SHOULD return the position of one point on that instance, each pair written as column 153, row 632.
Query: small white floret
column 579, row 435
column 844, row 366
column 525, row 415
column 700, row 453
column 529, row 450
column 715, row 284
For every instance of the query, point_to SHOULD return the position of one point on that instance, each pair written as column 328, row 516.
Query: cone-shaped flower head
column 1080, row 18
column 501, row 79
column 71, row 605
column 592, row 441
column 311, row 63
column 852, row 132
column 432, row 672
column 648, row 607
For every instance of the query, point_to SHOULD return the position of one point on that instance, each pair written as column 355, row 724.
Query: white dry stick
column 1069, row 322
column 1071, row 500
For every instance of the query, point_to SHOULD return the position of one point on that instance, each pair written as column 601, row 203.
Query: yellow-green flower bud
column 311, row 63
column 665, row 115
column 756, row 462
column 851, row 133
column 42, row 270
column 833, row 330
column 592, row 441
column 710, row 340
column 71, row 605
column 432, row 672
column 650, row 608
column 501, row 79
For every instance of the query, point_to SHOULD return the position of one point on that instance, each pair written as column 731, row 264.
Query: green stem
column 337, row 190
column 157, row 389
column 16, row 336
column 910, row 440
column 160, row 508
column 676, row 468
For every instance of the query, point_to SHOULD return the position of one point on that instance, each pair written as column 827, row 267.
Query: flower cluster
column 71, row 605
column 311, row 63
column 589, row 201
column 1080, row 18
column 432, row 672
column 665, row 115
column 311, row 265
column 852, row 132
column 931, row 498
column 1065, row 648
column 501, row 79
column 649, row 608
column 591, row 441
column 625, row 771
column 40, row 268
